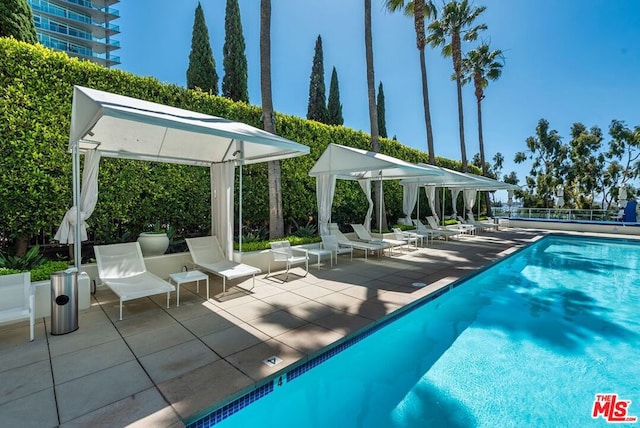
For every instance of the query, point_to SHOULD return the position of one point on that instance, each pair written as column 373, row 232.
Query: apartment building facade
column 82, row 28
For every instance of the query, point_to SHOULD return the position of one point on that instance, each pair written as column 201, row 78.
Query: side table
column 188, row 276
column 319, row 252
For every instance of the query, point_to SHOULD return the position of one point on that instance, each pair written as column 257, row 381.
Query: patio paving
column 160, row 367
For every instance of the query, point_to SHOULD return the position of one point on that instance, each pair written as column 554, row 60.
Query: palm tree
column 481, row 65
column 419, row 10
column 276, row 222
column 373, row 110
column 455, row 25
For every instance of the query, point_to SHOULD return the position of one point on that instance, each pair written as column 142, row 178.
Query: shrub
column 44, row 272
column 40, row 273
column 32, row 259
column 305, row 231
column 264, row 245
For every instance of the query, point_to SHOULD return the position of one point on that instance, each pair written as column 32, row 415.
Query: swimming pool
column 529, row 341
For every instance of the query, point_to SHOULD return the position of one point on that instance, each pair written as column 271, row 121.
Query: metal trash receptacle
column 64, row 301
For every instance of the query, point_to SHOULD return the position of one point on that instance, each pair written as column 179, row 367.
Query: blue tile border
column 252, row 396
column 233, row 407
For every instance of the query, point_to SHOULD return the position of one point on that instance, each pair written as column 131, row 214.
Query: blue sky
column 566, row 61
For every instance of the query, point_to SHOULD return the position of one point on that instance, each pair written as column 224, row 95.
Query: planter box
column 43, row 295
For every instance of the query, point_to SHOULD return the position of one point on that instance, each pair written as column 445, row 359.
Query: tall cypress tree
column 16, row 20
column 317, row 109
column 234, row 82
column 202, row 67
column 382, row 121
column 334, row 108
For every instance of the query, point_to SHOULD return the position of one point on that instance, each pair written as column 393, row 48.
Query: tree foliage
column 622, row 159
column 382, row 120
column 481, row 65
column 589, row 170
column 317, row 109
column 201, row 73
column 549, row 164
column 234, row 82
column 454, row 25
column 16, row 20
column 420, row 10
column 334, row 107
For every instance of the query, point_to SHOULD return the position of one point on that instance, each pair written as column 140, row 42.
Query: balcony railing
column 557, row 213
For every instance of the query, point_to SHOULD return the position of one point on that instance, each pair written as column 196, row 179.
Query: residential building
column 82, row 28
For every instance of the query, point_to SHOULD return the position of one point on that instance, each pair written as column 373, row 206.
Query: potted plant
column 154, row 241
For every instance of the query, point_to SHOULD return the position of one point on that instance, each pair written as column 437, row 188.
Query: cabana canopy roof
column 124, row 127
column 355, row 164
column 458, row 180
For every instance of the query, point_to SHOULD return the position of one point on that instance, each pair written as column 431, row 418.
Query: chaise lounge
column 207, row 255
column 121, row 268
column 364, row 235
column 358, row 245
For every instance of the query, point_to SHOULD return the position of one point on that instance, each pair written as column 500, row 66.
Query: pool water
column 526, row 342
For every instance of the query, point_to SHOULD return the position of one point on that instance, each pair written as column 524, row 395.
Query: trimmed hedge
column 36, row 86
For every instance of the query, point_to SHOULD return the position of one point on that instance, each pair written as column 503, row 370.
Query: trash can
column 64, row 301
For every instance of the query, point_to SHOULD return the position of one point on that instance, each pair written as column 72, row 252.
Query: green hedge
column 35, row 170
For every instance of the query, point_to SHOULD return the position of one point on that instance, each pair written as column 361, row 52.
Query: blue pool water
column 527, row 342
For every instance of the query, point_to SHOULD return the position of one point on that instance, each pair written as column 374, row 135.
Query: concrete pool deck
column 161, row 367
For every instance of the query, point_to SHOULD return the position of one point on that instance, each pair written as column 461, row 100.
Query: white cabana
column 123, row 127
column 456, row 181
column 348, row 163
column 449, row 178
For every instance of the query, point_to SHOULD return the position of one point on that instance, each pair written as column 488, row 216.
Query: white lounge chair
column 207, row 255
column 283, row 252
column 424, row 230
column 364, row 235
column 330, row 242
column 358, row 245
column 17, row 299
column 406, row 237
column 480, row 224
column 121, row 268
column 435, row 229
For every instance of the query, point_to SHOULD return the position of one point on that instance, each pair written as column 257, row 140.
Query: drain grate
column 418, row 284
column 272, row 361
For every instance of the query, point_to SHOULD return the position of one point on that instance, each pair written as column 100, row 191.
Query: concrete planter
column 43, row 295
column 153, row 244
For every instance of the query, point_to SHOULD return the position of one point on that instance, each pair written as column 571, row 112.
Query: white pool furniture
column 189, row 276
column 17, row 299
column 330, row 242
column 207, row 255
column 358, row 245
column 319, row 252
column 283, row 252
column 121, row 268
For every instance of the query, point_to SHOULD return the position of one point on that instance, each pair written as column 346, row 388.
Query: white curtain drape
column 325, row 189
column 454, row 200
column 430, row 191
column 89, row 198
column 366, row 188
column 409, row 198
column 509, row 197
column 222, row 175
column 469, row 196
